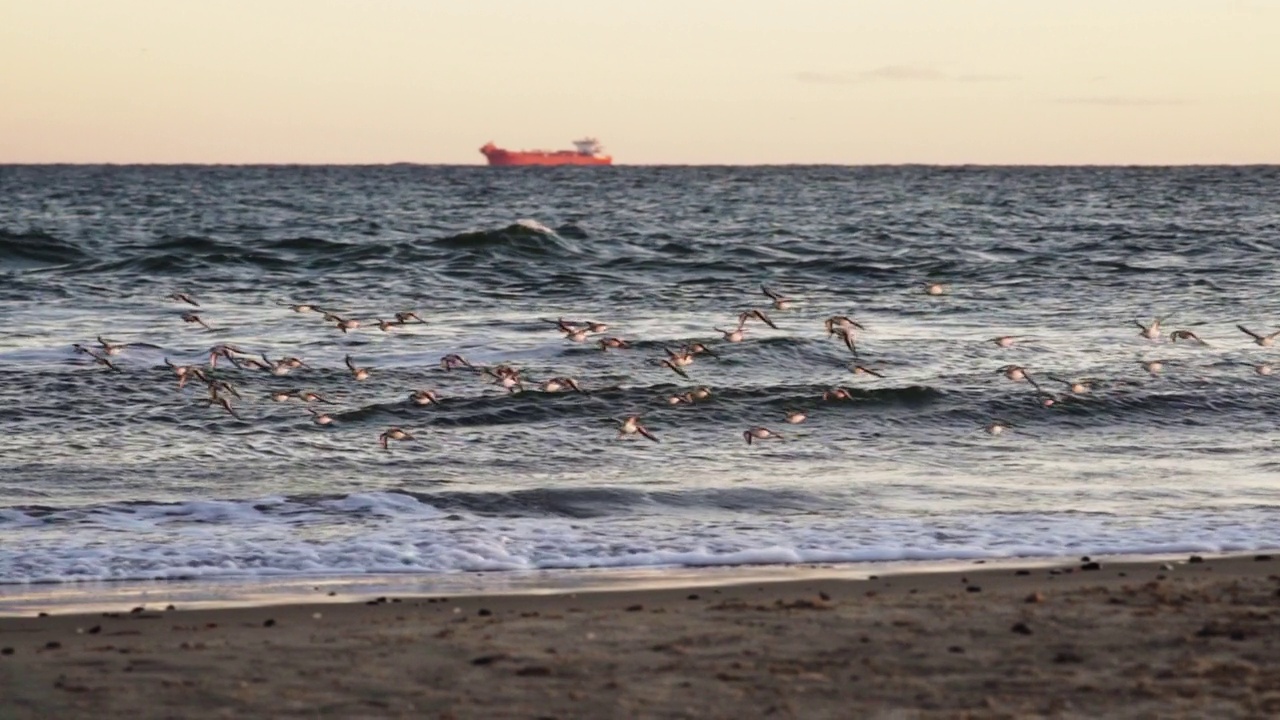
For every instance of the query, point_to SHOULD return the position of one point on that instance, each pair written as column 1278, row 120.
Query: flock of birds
column 841, row 327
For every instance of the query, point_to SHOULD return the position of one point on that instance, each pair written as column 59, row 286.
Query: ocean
column 120, row 475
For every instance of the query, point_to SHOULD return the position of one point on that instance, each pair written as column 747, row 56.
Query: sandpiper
column 864, row 370
column 394, row 433
column 110, row 348
column 631, row 425
column 320, row 418
column 453, row 360
column 1154, row 367
column 671, row 366
column 1152, row 331
column 681, row 357
column 283, row 395
column 1177, row 335
column 221, row 401
column 590, row 326
column 404, row 317
column 836, row 393
column 222, row 385
column 1079, row 387
column 387, row 325
column 732, row 336
column 849, row 338
column 562, row 384
column 304, row 308
column 760, row 433
column 613, row 342
column 933, row 288
column 249, row 362
column 997, row 427
column 836, row 323
column 779, row 302
column 103, row 361
column 310, row 397
column 1263, row 368
column 183, row 298
column 279, row 367
column 1005, row 341
column 701, row 392
column 571, row 332
column 1017, row 373
column 99, row 359
column 507, row 377
column 341, row 323
column 223, row 350
column 424, row 397
column 699, row 349
column 685, row 398
column 190, row 317
column 225, row 404
column 1262, row 340
column 795, row 417
column 187, row 372
column 746, row 315
column 358, row 373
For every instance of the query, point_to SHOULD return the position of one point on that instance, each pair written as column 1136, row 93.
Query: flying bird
column 631, row 426
column 1262, row 340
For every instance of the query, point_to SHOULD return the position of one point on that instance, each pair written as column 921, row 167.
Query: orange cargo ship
column 588, row 152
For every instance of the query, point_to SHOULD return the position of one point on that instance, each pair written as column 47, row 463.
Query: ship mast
column 588, row 146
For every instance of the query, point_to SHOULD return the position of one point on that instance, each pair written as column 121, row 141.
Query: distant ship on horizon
column 588, row 151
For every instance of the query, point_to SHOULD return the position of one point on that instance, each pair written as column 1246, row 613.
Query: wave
column 36, row 249
column 307, row 244
column 400, row 533
column 527, row 238
column 550, row 501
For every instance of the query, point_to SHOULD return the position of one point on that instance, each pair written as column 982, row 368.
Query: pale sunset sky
column 658, row 81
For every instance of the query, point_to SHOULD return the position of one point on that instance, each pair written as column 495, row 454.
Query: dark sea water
column 122, row 475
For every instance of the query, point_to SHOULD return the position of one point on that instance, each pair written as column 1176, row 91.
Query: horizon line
column 596, row 168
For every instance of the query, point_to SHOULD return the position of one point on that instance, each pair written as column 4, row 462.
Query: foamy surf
column 395, row 533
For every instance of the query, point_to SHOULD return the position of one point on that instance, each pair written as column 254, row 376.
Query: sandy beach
column 1191, row 638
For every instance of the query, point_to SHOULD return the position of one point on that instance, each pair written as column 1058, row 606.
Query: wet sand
column 1116, row 640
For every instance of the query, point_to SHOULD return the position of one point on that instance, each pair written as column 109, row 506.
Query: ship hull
column 505, row 158
column 508, row 157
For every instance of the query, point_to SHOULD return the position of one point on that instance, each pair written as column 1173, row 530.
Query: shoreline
column 1080, row 639
column 69, row 598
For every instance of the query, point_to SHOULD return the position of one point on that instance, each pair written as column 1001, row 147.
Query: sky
column 658, row 81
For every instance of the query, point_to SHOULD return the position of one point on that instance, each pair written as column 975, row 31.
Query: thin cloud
column 898, row 73
column 1121, row 101
column 982, row 77
column 903, row 72
column 829, row 78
